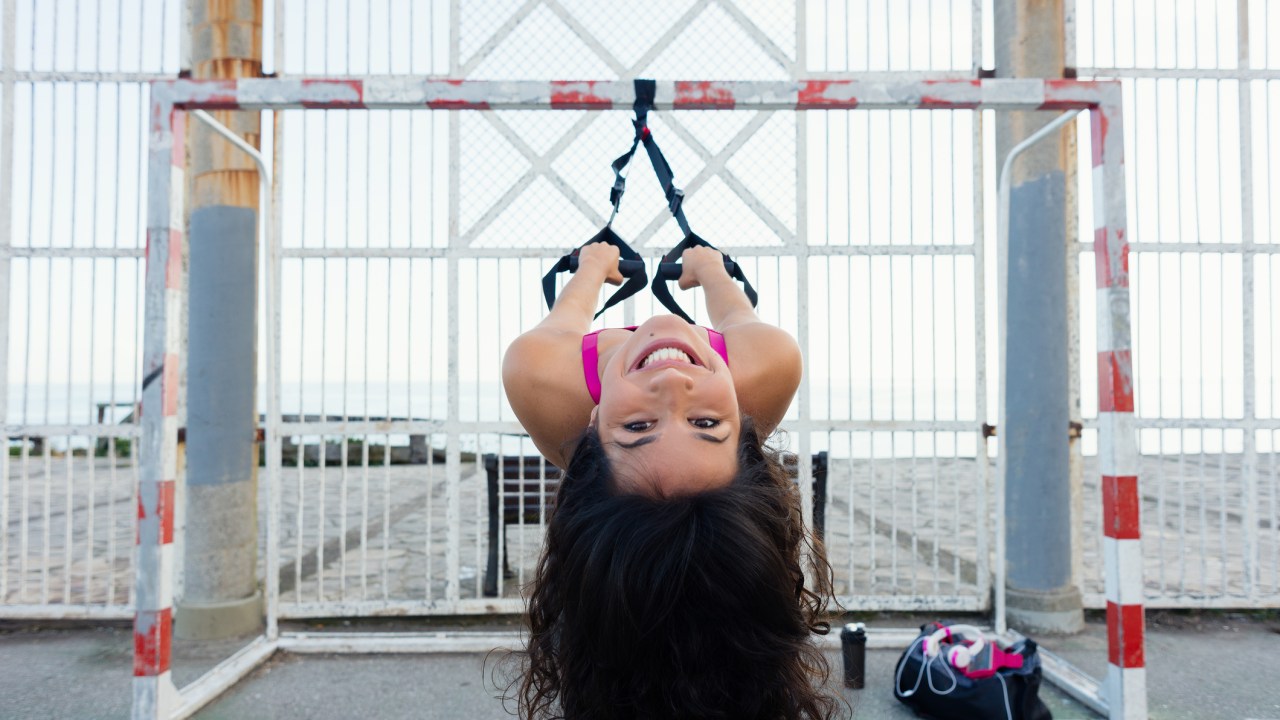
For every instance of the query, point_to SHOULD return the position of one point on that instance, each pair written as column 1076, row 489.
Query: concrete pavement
column 1207, row 665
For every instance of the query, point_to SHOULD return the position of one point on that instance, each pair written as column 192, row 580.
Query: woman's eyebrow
column 642, row 441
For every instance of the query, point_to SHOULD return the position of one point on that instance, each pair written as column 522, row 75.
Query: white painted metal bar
column 1249, row 462
column 222, row 677
column 8, row 36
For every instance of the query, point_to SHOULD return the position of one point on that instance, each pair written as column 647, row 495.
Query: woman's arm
column 766, row 361
column 726, row 302
column 541, row 369
column 576, row 306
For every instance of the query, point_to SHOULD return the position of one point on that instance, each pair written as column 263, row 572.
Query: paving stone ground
column 906, row 528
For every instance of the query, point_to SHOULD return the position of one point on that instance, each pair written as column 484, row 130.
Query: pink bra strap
column 590, row 358
column 717, row 343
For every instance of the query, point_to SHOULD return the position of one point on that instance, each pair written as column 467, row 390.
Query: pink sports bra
column 591, row 356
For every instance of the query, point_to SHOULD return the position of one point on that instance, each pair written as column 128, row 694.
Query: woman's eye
column 705, row 423
column 638, row 426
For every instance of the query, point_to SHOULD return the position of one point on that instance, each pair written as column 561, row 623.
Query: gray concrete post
column 220, row 595
column 1041, row 596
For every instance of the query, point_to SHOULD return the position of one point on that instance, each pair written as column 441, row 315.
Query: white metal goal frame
column 1123, row 694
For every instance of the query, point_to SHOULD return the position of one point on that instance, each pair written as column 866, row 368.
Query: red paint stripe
column 456, row 103
column 211, row 94
column 1121, row 508
column 338, row 93
column 1115, row 381
column 1062, row 94
column 152, row 638
column 173, row 269
column 1098, row 129
column 1125, row 628
column 937, row 102
column 822, row 94
column 178, row 124
column 1101, row 269
column 169, row 386
column 703, row 94
column 1110, row 271
column 166, row 510
column 578, row 95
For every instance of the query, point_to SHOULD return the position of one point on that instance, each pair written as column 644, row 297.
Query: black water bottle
column 853, row 645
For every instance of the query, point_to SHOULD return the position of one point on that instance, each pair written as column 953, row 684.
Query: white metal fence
column 1202, row 103
column 75, row 93
column 379, row 211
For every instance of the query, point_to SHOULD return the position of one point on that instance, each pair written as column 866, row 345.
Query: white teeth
column 666, row 354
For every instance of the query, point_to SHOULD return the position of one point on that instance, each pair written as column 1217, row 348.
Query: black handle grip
column 628, row 268
column 672, row 271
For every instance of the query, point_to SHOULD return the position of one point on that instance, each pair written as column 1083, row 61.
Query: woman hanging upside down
column 672, row 583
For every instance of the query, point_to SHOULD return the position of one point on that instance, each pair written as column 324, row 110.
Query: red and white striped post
column 154, row 695
column 1126, row 685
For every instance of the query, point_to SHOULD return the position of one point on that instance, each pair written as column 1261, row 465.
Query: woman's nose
column 670, row 379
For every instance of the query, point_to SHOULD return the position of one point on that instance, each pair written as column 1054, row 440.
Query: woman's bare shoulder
column 767, row 365
column 542, row 376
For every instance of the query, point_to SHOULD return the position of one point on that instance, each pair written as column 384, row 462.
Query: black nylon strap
column 630, row 264
column 670, row 268
column 643, row 103
column 674, row 195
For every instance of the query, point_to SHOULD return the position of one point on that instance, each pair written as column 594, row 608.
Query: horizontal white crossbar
column 409, row 92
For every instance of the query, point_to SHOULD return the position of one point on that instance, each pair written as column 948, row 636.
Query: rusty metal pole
column 220, row 596
column 1030, row 42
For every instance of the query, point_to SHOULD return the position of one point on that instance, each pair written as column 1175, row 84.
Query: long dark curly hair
column 693, row 606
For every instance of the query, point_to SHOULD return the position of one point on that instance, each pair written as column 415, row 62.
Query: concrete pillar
column 220, row 593
column 1041, row 596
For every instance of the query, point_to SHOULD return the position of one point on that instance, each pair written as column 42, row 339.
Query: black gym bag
column 932, row 688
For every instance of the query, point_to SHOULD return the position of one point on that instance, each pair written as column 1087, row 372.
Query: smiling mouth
column 664, row 353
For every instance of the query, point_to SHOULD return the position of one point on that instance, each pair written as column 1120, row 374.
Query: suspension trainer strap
column 670, row 267
column 630, row 264
column 645, row 89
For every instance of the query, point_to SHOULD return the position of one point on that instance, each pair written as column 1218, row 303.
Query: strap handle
column 630, row 265
column 670, row 268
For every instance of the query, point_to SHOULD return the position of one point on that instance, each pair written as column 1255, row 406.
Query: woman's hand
column 700, row 265
column 603, row 258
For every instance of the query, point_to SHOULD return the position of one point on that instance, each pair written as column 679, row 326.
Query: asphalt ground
column 1202, row 665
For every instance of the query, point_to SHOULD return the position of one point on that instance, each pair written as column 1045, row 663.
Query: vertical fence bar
column 1117, row 446
column 8, row 22
column 804, row 469
column 153, row 693
column 1249, row 460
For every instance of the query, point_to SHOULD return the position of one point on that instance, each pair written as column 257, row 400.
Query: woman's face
column 668, row 414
